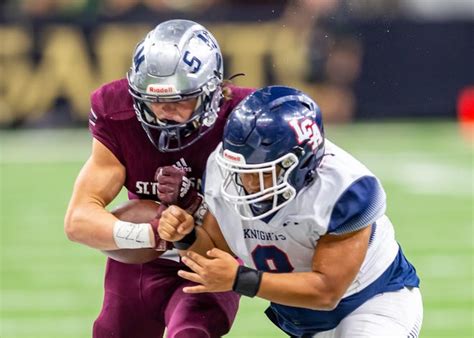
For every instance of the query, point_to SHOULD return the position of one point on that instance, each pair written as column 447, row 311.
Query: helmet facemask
column 267, row 200
column 169, row 136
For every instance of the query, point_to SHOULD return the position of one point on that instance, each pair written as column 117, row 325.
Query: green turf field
column 52, row 288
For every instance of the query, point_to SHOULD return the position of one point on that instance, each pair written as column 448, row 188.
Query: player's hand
column 175, row 188
column 172, row 182
column 175, row 223
column 214, row 274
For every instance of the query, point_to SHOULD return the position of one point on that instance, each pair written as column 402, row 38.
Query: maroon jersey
column 141, row 299
column 114, row 123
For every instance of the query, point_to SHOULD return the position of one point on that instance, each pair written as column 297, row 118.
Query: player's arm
column 338, row 255
column 337, row 260
column 98, row 183
column 211, row 232
column 176, row 224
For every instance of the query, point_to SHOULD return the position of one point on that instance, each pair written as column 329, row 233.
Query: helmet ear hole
column 310, row 176
column 299, row 150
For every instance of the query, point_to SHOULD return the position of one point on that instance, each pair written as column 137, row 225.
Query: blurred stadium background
column 393, row 78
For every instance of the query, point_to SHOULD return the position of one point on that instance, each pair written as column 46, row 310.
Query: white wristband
column 129, row 235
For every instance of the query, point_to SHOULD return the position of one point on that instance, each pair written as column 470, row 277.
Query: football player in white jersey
column 308, row 221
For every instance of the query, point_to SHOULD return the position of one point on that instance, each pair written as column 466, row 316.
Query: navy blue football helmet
column 275, row 131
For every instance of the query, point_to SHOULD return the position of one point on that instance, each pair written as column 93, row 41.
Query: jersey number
column 271, row 258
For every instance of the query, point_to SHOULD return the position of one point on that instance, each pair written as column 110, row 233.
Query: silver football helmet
column 178, row 60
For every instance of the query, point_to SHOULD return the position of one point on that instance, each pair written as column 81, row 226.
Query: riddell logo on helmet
column 160, row 89
column 234, row 157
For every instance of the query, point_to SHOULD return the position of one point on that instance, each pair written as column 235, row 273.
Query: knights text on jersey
column 345, row 197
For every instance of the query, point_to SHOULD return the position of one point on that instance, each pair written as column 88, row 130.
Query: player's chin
column 133, row 256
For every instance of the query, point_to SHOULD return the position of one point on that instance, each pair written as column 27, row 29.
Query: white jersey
column 345, row 197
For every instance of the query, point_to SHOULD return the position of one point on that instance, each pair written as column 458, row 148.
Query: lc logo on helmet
column 307, row 130
column 160, row 89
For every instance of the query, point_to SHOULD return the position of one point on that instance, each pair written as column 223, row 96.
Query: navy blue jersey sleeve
column 361, row 204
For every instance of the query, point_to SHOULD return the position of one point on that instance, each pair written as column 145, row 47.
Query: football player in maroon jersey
column 152, row 133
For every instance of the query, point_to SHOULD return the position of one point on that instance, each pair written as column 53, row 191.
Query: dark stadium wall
column 414, row 69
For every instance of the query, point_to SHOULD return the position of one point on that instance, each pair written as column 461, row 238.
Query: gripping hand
column 175, row 224
column 175, row 188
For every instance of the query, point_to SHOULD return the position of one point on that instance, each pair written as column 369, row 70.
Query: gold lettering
column 114, row 46
column 289, row 56
column 29, row 91
column 245, row 45
column 15, row 68
column 65, row 70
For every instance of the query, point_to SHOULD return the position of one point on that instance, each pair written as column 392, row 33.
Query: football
column 136, row 211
